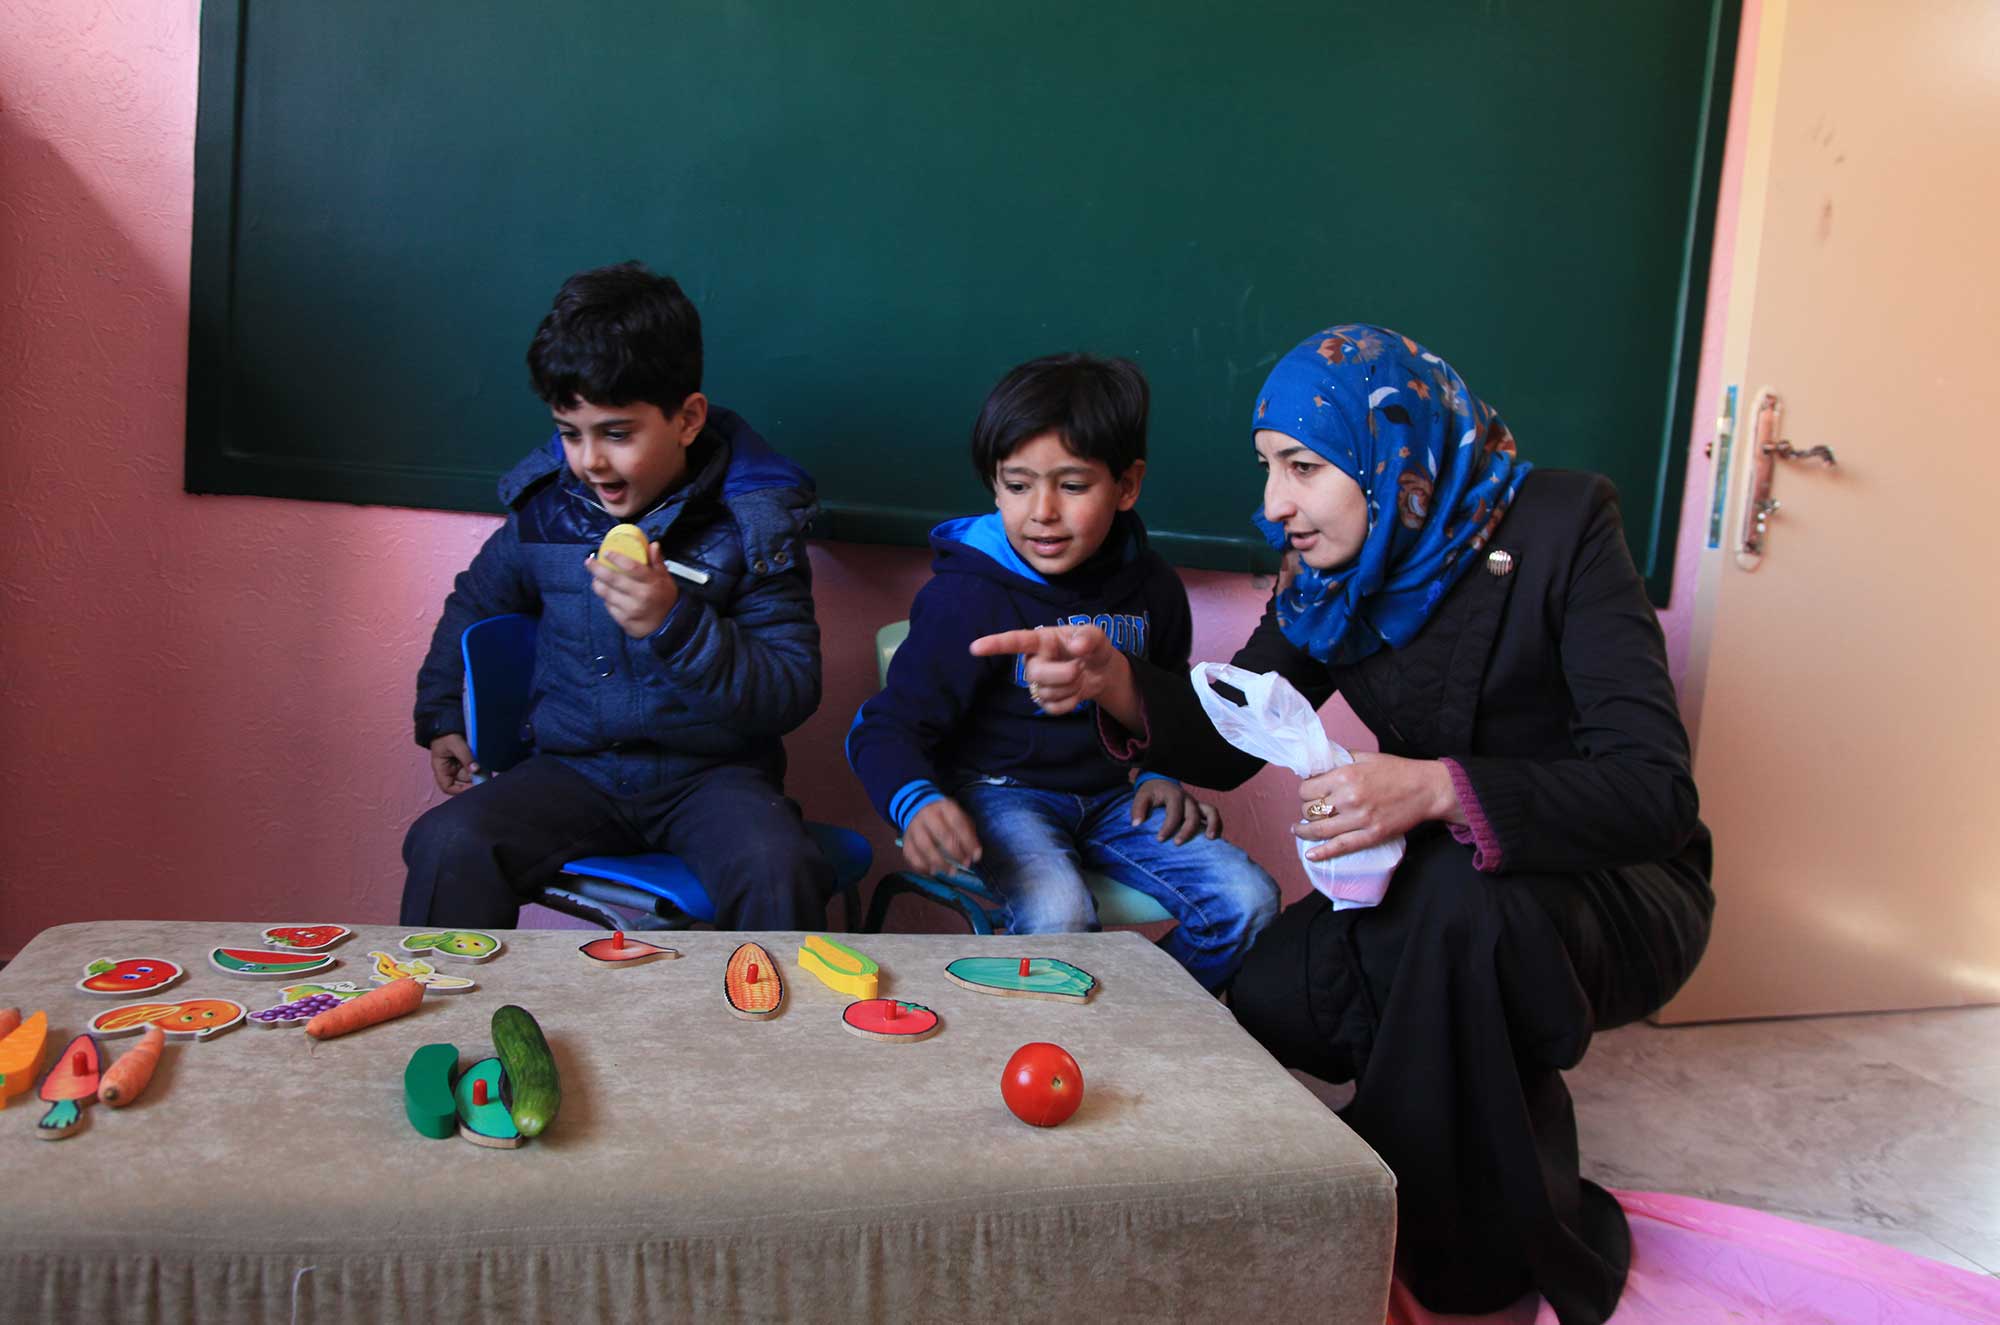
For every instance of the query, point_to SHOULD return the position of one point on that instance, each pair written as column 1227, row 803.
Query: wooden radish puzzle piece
column 123, row 977
column 70, row 1084
column 752, row 984
column 265, row 964
column 622, row 950
column 1023, row 977
column 306, row 938
column 195, row 1017
column 839, row 967
column 387, row 968
column 891, row 1020
column 466, row 945
column 21, row 1055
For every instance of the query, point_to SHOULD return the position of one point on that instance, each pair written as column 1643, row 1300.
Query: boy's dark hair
column 617, row 335
column 1097, row 406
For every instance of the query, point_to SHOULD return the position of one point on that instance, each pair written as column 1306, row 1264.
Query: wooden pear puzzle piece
column 839, row 967
column 70, row 1084
column 1023, row 977
column 21, row 1054
column 888, row 1019
column 483, row 1117
column 427, row 1097
column 466, row 945
column 752, row 984
column 122, row 977
column 627, row 540
column 620, row 950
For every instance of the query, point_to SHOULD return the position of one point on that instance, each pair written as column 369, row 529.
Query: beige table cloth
column 702, row 1166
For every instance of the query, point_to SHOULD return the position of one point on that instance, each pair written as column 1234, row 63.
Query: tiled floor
column 1887, row 1126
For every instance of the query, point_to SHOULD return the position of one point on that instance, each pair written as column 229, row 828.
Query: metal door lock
column 1768, row 413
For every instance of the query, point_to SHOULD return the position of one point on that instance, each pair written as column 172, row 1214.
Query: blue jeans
column 1036, row 846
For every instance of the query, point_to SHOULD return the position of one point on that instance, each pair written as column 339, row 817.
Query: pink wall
column 203, row 700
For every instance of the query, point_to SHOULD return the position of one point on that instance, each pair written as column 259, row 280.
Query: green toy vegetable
column 531, row 1068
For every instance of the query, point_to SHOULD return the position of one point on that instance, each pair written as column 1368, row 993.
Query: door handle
column 1768, row 414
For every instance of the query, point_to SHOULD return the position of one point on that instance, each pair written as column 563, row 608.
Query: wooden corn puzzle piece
column 465, row 945
column 839, row 967
column 891, row 1020
column 752, row 984
column 306, row 938
column 387, row 968
column 266, row 964
column 21, row 1054
column 483, row 1116
column 70, row 1084
column 1024, row 977
column 621, row 949
column 125, row 976
column 197, row 1018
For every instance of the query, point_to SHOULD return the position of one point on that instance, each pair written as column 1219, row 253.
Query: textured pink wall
column 203, row 700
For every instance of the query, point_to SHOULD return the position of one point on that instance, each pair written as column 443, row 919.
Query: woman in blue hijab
column 1484, row 618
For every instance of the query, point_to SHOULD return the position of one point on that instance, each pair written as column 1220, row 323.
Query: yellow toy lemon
column 627, row 540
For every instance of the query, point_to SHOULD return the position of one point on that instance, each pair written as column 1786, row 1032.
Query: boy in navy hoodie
column 954, row 751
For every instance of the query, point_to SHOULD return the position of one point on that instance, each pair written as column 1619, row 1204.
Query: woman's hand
column 1371, row 801
column 1069, row 666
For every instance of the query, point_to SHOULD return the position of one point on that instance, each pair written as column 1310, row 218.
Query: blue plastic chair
column 967, row 894
column 657, row 889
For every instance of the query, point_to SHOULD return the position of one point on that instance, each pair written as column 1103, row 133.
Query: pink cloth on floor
column 1700, row 1261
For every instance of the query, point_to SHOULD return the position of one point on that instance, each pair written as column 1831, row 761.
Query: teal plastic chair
column 1117, row 904
column 650, row 891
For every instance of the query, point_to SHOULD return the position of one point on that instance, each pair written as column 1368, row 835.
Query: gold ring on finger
column 1321, row 810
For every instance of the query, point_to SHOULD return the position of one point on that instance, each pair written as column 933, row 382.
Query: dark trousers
column 477, row 857
column 1454, row 1006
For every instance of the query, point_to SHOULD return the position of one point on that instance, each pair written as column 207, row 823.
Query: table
column 702, row 1165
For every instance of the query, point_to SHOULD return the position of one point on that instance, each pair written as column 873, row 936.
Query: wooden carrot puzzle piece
column 265, row 964
column 752, row 984
column 434, row 981
column 839, row 967
column 196, row 1017
column 70, row 1084
column 891, row 1020
column 466, row 945
column 483, row 1117
column 1023, row 977
column 21, row 1055
column 125, row 976
column 427, row 1097
column 306, row 938
column 622, row 950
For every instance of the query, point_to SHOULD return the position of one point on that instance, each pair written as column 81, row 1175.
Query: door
column 1849, row 746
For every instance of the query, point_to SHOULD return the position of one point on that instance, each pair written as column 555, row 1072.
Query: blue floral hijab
column 1435, row 462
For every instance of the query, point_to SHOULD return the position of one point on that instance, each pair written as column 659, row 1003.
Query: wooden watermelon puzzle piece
column 752, row 984
column 427, row 1097
column 195, row 1017
column 483, row 1117
column 123, row 977
column 267, row 963
column 622, row 950
column 21, row 1056
column 70, row 1084
column 891, row 1020
column 1024, row 977
column 839, row 967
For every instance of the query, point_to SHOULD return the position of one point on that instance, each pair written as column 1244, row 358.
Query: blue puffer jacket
column 735, row 666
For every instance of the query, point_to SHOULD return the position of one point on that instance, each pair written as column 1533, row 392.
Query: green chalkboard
column 880, row 207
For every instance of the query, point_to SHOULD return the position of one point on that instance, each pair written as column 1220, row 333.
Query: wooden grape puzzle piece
column 21, row 1055
column 434, row 981
column 70, row 1084
column 265, row 964
column 888, row 1019
column 620, row 950
column 752, row 984
column 122, row 977
column 306, row 938
column 299, row 1004
column 839, row 967
column 1024, row 977
column 427, row 1099
column 483, row 1116
column 466, row 945
column 627, row 540
column 195, row 1017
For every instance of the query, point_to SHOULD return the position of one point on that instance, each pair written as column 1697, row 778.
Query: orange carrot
column 124, row 1079
column 9, row 1019
column 392, row 1000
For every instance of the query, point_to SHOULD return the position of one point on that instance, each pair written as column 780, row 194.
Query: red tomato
column 1042, row 1084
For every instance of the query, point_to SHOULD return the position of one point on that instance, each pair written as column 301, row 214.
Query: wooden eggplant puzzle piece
column 752, row 984
column 1024, row 977
column 427, row 1099
column 70, row 1084
column 891, row 1020
column 483, row 1116
column 839, row 967
column 21, row 1054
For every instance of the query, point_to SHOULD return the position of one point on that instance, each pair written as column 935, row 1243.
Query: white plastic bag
column 1276, row 724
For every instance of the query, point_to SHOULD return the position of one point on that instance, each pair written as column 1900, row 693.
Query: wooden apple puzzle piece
column 839, row 967
column 21, row 1054
column 627, row 540
column 619, row 950
column 752, row 984
column 427, row 1098
column 483, row 1117
column 198, row 1018
column 306, row 938
column 299, row 1004
column 387, row 968
column 1024, row 977
column 466, row 945
column 891, row 1020
column 264, row 964
column 70, row 1084
column 125, row 976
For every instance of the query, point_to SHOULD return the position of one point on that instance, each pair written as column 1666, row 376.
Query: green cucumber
column 530, row 1067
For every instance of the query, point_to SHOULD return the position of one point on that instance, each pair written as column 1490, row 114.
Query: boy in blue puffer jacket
column 660, row 696
column 956, row 753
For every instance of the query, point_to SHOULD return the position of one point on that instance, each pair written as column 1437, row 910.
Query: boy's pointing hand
column 1066, row 665
column 639, row 596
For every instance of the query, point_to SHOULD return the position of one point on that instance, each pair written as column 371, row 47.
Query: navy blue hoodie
column 946, row 716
